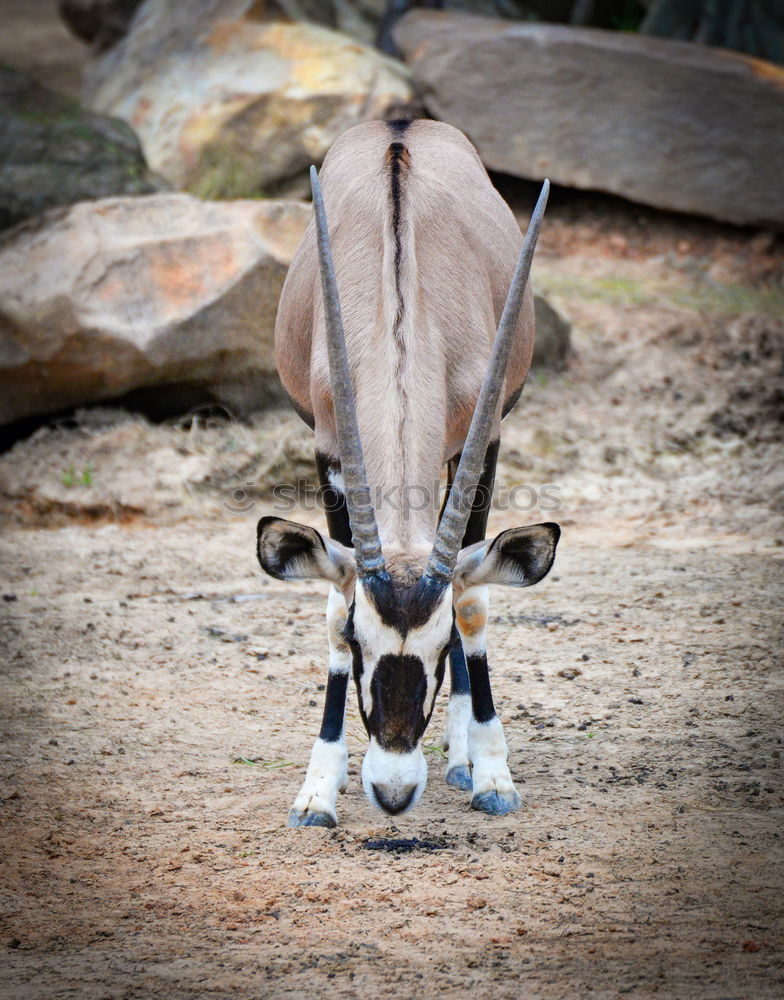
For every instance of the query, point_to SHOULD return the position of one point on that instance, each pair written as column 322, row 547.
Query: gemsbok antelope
column 399, row 375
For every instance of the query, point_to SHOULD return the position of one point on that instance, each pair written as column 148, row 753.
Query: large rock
column 553, row 343
column 52, row 152
column 102, row 23
column 753, row 27
column 163, row 290
column 668, row 124
column 228, row 103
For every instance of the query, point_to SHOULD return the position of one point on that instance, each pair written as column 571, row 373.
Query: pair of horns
column 364, row 530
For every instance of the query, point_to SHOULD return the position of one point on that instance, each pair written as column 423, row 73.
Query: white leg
column 458, row 717
column 326, row 776
column 493, row 789
column 327, row 772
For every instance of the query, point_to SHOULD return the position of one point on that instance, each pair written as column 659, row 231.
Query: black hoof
column 312, row 819
column 459, row 777
column 495, row 804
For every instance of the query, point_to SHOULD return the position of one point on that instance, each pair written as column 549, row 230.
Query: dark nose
column 394, row 801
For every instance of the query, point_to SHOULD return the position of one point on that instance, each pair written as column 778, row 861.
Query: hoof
column 495, row 804
column 312, row 819
column 460, row 777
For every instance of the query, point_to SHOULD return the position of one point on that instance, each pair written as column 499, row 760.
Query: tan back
column 424, row 251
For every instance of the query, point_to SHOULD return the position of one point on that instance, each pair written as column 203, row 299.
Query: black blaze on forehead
column 398, row 688
column 399, row 683
column 404, row 608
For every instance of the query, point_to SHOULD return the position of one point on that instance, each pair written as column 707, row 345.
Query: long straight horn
column 364, row 531
column 451, row 530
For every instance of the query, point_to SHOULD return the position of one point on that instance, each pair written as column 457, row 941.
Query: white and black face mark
column 399, row 639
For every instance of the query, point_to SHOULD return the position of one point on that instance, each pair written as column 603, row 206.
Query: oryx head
column 400, row 628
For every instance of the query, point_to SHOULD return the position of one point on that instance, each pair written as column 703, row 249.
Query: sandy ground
column 160, row 696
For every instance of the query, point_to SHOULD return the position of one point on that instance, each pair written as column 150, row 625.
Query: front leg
column 493, row 789
column 458, row 717
column 328, row 769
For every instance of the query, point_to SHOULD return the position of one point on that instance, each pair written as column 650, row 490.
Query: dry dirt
column 160, row 696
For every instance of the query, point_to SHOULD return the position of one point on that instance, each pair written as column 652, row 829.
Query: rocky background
column 141, row 264
column 160, row 695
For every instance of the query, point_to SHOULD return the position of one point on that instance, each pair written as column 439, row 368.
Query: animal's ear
column 290, row 551
column 518, row 557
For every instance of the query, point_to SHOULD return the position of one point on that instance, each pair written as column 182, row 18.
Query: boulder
column 164, row 290
column 52, row 152
column 101, row 23
column 228, row 103
column 358, row 18
column 669, row 124
column 553, row 336
column 753, row 27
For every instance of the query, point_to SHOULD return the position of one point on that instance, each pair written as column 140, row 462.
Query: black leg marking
column 475, row 532
column 335, row 508
column 477, row 519
column 472, row 676
column 458, row 671
column 481, row 695
column 315, row 804
column 334, row 707
column 459, row 773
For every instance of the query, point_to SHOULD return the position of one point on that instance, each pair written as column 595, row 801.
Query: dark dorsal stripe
column 399, row 162
column 399, row 126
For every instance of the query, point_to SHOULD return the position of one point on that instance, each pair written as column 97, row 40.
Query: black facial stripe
column 398, row 687
column 458, row 670
column 481, row 695
column 357, row 666
column 334, row 707
column 439, row 678
column 404, row 608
